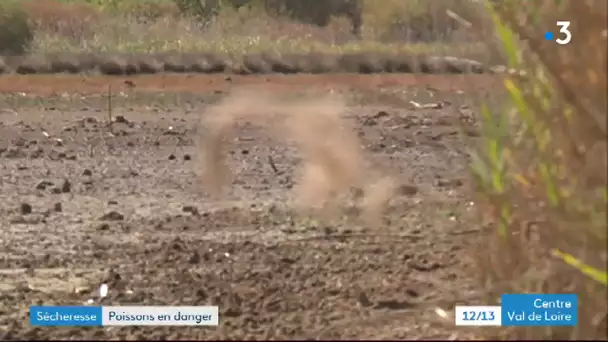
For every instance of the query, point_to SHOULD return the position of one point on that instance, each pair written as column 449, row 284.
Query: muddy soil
column 83, row 203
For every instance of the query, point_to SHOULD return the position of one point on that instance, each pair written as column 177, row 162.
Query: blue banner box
column 66, row 316
column 539, row 309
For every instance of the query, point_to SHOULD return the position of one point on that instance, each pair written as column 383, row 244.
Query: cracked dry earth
column 79, row 208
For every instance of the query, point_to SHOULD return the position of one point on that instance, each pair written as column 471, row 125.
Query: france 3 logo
column 564, row 37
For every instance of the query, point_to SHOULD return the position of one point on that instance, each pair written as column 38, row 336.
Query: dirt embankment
column 316, row 63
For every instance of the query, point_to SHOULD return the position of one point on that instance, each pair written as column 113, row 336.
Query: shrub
column 320, row 14
column 541, row 170
column 149, row 10
column 204, row 10
column 73, row 21
column 15, row 32
column 140, row 9
column 411, row 20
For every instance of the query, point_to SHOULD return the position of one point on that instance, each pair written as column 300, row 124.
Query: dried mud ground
column 80, row 207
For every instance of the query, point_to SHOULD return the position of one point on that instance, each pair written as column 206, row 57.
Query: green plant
column 541, row 169
column 15, row 31
column 319, row 13
column 204, row 10
column 418, row 20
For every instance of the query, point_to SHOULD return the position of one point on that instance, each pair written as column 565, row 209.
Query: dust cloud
column 333, row 161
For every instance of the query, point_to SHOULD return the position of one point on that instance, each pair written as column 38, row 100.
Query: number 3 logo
column 564, row 25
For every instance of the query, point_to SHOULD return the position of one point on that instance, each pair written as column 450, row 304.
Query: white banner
column 160, row 315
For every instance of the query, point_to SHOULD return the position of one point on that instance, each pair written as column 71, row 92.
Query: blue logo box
column 66, row 316
column 539, row 309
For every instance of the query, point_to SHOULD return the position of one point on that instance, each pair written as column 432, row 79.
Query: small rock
column 26, row 209
column 364, row 300
column 381, row 114
column 328, row 230
column 66, row 186
column 190, row 209
column 449, row 183
column 171, row 157
column 87, row 172
column 112, row 202
column 187, row 157
column 103, row 227
column 82, row 290
column 437, row 136
column 56, row 190
column 412, row 293
column 407, row 190
column 195, row 258
column 58, row 207
column 112, row 216
column 171, row 132
column 120, row 119
column 43, row 185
